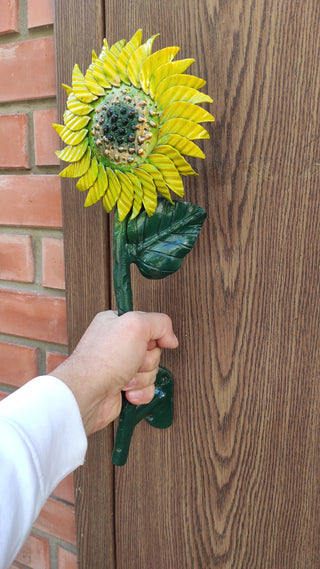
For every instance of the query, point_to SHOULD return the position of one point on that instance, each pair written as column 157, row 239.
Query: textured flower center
column 123, row 128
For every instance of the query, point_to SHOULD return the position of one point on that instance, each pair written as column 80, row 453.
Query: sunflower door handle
column 129, row 123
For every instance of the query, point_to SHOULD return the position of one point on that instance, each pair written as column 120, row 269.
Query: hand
column 116, row 353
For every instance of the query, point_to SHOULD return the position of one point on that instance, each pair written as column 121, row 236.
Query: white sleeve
column 42, row 439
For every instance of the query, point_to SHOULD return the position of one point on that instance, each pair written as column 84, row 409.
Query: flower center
column 123, row 128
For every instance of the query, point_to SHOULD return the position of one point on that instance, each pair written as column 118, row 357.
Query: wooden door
column 234, row 483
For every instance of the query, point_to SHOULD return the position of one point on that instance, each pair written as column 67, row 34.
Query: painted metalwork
column 157, row 245
column 129, row 123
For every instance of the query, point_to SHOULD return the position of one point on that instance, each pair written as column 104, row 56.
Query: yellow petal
column 137, row 195
column 137, row 59
column 181, row 109
column 180, row 163
column 105, row 48
column 110, row 63
column 117, row 47
column 79, row 168
column 158, row 180
column 110, row 70
column 79, row 86
column 67, row 89
column 154, row 61
column 178, row 79
column 75, row 122
column 149, row 197
column 99, row 187
column 92, row 84
column 127, row 51
column 182, row 93
column 89, row 178
column 185, row 146
column 73, row 153
column 69, row 136
column 125, row 200
column 76, row 107
column 168, row 171
column 184, row 127
column 113, row 192
column 99, row 75
column 104, row 51
column 163, row 71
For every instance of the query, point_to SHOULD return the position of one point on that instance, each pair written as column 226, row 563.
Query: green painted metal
column 158, row 413
column 157, row 245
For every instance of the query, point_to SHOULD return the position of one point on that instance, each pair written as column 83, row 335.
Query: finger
column 160, row 330
column 142, row 380
column 150, row 360
column 106, row 316
column 141, row 396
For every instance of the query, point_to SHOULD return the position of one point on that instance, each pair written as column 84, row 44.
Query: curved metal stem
column 123, row 292
column 121, row 267
column 158, row 412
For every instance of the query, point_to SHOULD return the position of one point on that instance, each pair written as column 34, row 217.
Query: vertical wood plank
column 233, row 484
column 79, row 28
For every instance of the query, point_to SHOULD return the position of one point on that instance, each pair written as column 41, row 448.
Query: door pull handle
column 158, row 413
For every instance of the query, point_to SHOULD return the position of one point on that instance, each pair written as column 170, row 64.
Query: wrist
column 97, row 407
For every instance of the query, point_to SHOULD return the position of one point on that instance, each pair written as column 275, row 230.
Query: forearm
column 42, row 440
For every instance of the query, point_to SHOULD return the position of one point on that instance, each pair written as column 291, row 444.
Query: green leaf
column 158, row 244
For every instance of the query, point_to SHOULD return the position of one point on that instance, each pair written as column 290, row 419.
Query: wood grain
column 234, row 482
column 78, row 30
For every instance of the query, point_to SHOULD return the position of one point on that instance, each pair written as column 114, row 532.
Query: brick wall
column 33, row 333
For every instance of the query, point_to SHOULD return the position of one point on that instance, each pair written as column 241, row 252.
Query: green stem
column 159, row 411
column 121, row 267
column 123, row 292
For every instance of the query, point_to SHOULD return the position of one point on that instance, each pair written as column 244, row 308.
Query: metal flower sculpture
column 130, row 120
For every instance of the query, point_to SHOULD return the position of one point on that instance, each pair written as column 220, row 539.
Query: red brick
column 45, row 137
column 9, row 16
column 16, row 258
column 18, row 364
column 33, row 315
column 65, row 490
column 30, row 200
column 53, row 360
column 53, row 263
column 57, row 519
column 66, row 559
column 14, row 140
column 35, row 553
column 40, row 13
column 27, row 70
